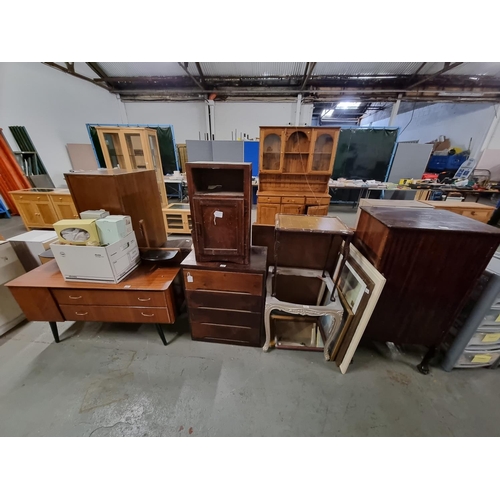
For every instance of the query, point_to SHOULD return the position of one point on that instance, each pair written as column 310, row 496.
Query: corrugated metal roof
column 143, row 68
column 253, row 68
column 366, row 68
column 297, row 69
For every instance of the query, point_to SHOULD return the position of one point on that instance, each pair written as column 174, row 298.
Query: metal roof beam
column 202, row 76
column 76, row 75
column 190, row 75
column 311, row 66
column 97, row 69
column 447, row 67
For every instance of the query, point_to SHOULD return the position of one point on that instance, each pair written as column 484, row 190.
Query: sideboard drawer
column 299, row 200
column 269, row 199
column 110, row 298
column 116, row 314
column 30, row 196
column 195, row 279
column 224, row 333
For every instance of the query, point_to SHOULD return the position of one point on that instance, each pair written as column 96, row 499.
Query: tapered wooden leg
column 53, row 327
column 423, row 367
column 161, row 334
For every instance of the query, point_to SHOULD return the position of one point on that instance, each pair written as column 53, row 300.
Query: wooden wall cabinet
column 220, row 200
column 41, row 208
column 295, row 166
column 122, row 192
column 431, row 260
column 133, row 148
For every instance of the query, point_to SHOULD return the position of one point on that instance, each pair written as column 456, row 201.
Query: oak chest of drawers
column 225, row 300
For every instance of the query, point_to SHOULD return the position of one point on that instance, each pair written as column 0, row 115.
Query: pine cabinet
column 133, row 148
column 41, row 208
column 295, row 162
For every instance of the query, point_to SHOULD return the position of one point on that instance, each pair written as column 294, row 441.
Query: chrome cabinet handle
column 147, row 315
column 75, row 298
column 144, row 300
column 81, row 314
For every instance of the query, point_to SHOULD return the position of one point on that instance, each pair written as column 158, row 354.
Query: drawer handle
column 75, row 298
column 144, row 300
column 60, row 199
column 38, row 197
column 37, row 214
column 81, row 314
column 20, row 197
column 147, row 315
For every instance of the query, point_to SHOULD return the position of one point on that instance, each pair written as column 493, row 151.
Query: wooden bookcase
column 295, row 166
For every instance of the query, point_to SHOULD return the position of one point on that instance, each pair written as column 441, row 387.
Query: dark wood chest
column 225, row 300
column 431, row 260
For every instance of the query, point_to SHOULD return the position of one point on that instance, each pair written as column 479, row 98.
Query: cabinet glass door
column 156, row 165
column 323, row 149
column 135, row 150
column 271, row 153
column 114, row 148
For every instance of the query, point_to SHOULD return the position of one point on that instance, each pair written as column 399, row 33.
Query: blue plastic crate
column 440, row 163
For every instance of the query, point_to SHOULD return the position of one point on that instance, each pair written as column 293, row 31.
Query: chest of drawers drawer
column 227, row 334
column 269, row 199
column 195, row 279
column 224, row 300
column 225, row 317
column 118, row 314
column 110, row 298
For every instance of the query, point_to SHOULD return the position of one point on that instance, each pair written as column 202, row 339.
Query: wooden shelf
column 296, row 153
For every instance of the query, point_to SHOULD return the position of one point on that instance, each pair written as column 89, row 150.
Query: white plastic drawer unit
column 491, row 319
column 477, row 359
column 486, row 339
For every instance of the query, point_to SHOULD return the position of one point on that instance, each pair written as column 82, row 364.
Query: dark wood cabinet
column 122, row 193
column 431, row 260
column 220, row 200
column 226, row 301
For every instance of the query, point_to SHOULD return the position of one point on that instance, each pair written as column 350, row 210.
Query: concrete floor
column 119, row 380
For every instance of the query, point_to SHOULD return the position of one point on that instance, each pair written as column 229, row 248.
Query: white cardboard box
column 28, row 246
column 109, row 264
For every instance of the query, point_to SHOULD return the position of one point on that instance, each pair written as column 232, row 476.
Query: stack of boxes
column 98, row 248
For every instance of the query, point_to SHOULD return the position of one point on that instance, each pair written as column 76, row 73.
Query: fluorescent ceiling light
column 348, row 105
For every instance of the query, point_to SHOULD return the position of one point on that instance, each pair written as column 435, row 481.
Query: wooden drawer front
column 116, row 314
column 195, row 279
column 110, row 298
column 225, row 317
column 269, row 199
column 30, row 197
column 226, row 334
column 318, row 201
column 298, row 200
column 225, row 300
column 480, row 215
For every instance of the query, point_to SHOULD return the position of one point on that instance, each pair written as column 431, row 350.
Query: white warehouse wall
column 246, row 117
column 54, row 108
column 458, row 122
column 187, row 118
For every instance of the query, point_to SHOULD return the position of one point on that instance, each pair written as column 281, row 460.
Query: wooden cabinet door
column 36, row 213
column 271, row 150
column 293, row 209
column 323, row 150
column 64, row 207
column 218, row 226
column 266, row 213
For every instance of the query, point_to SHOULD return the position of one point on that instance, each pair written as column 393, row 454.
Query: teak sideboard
column 146, row 296
column 41, row 208
column 295, row 166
